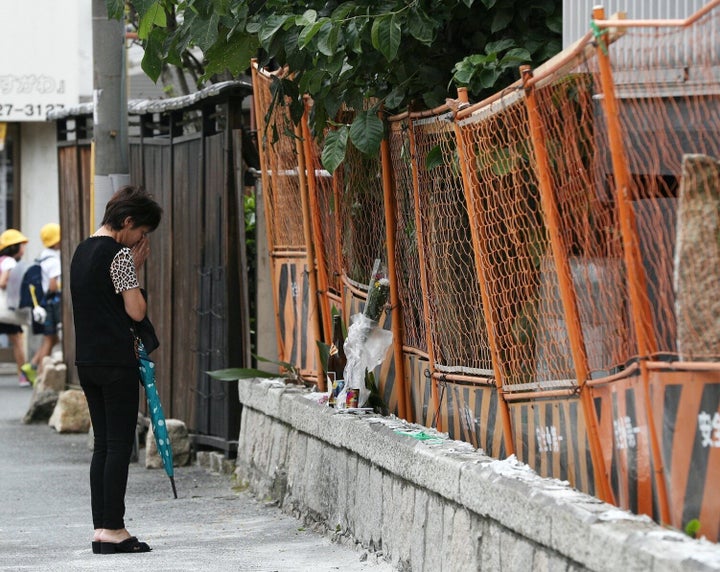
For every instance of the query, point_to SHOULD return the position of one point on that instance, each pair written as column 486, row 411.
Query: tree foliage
column 398, row 53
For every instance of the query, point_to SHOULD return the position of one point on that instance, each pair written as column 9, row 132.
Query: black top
column 103, row 334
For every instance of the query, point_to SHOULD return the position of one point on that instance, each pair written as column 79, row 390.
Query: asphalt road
column 45, row 522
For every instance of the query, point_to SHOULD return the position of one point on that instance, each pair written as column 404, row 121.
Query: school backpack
column 22, row 276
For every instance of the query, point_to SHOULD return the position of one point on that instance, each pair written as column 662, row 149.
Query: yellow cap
column 50, row 234
column 10, row 237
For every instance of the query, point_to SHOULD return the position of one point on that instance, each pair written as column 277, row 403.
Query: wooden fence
column 187, row 152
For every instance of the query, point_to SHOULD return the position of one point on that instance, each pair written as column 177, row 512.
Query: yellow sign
column 3, row 131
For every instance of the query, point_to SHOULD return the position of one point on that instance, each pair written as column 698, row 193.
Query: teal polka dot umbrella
column 157, row 416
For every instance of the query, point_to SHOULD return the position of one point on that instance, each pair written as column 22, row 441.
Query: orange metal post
column 478, row 249
column 322, row 279
column 313, row 314
column 637, row 285
column 567, row 287
column 397, row 315
column 419, row 232
column 264, row 173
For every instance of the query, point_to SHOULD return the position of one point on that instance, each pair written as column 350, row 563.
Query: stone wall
column 432, row 504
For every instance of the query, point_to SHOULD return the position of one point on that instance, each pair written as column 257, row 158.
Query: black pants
column 113, row 398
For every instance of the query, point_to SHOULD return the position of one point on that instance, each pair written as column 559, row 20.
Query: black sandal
column 128, row 546
column 96, row 546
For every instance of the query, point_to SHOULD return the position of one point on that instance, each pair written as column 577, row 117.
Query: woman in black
column 107, row 300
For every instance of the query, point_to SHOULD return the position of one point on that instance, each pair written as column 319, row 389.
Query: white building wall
column 58, row 55
column 578, row 13
column 38, row 182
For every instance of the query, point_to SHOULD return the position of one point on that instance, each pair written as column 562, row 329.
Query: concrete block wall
column 437, row 504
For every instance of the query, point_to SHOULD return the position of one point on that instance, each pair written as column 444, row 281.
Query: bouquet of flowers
column 367, row 343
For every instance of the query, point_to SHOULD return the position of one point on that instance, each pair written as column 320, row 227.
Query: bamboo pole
column 396, row 322
column 637, row 287
column 566, row 285
column 479, row 243
column 424, row 284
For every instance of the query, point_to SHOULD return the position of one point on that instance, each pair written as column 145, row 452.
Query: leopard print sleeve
column 122, row 271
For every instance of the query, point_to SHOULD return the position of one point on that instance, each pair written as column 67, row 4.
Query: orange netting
column 668, row 89
column 325, row 214
column 361, row 211
column 407, row 259
column 517, row 265
column 283, row 201
column 458, row 331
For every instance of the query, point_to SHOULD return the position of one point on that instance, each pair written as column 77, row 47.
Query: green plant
column 288, row 372
column 692, row 528
column 396, row 53
column 375, row 399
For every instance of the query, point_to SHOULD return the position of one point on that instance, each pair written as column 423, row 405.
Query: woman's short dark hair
column 135, row 203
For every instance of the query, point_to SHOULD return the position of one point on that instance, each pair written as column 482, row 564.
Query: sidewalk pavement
column 45, row 522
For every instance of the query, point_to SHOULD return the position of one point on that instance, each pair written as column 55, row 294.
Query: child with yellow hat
column 48, row 317
column 12, row 248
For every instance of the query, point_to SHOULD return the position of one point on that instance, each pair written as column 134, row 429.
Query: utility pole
column 110, row 115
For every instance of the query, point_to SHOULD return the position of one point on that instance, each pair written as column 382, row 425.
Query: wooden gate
column 187, row 153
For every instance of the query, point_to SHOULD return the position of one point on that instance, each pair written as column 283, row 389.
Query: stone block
column 368, row 505
column 460, row 539
column 544, row 561
column 433, row 558
column 42, row 405
column 71, row 414
column 419, row 524
column 697, row 256
column 346, row 492
column 297, row 451
column 179, row 441
column 53, row 376
column 315, row 493
column 398, row 510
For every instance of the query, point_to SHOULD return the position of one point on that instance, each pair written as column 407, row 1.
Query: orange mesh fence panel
column 407, row 262
column 576, row 146
column 293, row 289
column 362, row 219
column 668, row 86
column 529, row 325
column 459, row 334
column 326, row 217
column 282, row 198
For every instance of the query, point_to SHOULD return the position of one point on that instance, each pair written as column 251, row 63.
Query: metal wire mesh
column 276, row 133
column 407, row 260
column 576, row 145
column 458, row 330
column 518, row 269
column 326, row 218
column 362, row 218
column 669, row 93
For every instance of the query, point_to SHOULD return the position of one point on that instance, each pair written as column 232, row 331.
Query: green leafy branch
column 397, row 53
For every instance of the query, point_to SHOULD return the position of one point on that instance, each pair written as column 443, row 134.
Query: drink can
column 351, row 399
